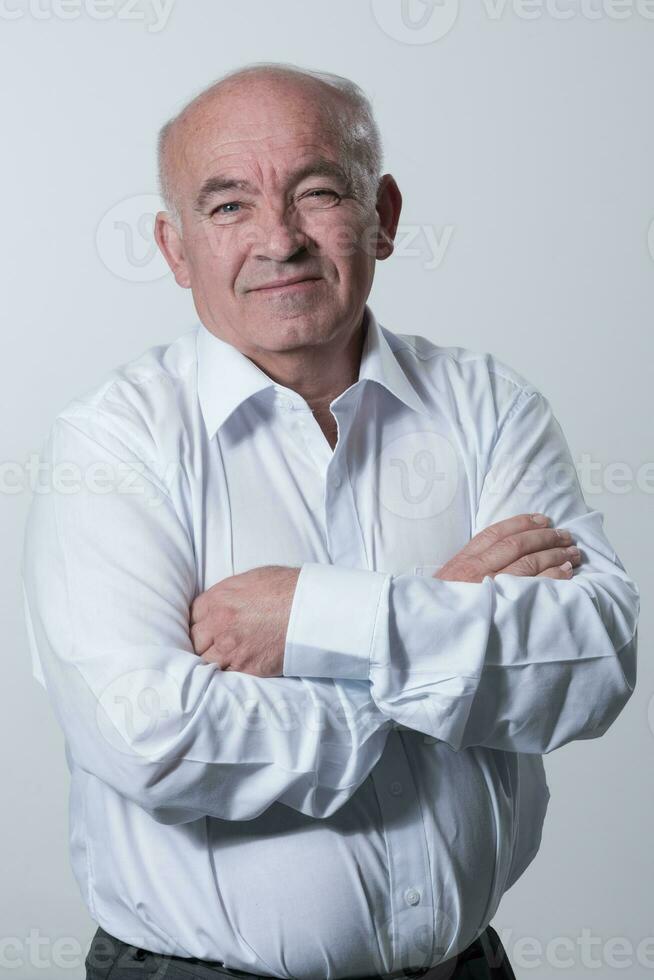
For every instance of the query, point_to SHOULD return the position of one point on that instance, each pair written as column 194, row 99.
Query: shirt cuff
column 332, row 622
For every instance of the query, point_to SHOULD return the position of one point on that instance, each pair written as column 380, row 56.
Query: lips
column 283, row 283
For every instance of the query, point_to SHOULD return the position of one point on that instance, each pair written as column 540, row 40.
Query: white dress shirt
column 366, row 811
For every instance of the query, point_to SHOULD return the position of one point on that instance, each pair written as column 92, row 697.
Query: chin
column 289, row 330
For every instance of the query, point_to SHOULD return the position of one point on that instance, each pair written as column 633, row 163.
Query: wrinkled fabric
column 365, row 812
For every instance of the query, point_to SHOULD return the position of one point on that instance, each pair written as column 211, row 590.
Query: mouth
column 296, row 284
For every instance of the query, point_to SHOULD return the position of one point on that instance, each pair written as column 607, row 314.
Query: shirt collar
column 227, row 377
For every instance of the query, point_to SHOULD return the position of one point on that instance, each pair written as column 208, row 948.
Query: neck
column 321, row 373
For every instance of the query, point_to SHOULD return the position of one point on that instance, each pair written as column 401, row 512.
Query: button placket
column 413, row 914
column 346, row 543
column 314, row 439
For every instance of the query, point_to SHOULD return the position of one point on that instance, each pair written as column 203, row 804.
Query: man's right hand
column 515, row 546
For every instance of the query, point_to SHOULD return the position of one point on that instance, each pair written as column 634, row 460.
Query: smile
column 288, row 285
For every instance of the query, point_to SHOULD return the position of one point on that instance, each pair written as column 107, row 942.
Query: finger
column 538, row 561
column 500, row 530
column 562, row 571
column 517, row 546
column 199, row 608
column 201, row 638
column 213, row 656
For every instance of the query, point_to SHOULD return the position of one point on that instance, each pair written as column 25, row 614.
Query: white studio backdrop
column 522, row 137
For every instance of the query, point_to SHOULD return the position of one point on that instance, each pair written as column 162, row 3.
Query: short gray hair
column 353, row 121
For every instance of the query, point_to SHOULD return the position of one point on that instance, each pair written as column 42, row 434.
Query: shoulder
column 138, row 403
column 469, row 379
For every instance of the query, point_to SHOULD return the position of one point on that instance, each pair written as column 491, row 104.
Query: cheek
column 215, row 259
column 348, row 243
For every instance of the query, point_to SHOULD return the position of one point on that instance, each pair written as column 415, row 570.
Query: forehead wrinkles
column 253, row 143
column 214, row 130
column 262, row 160
column 271, row 154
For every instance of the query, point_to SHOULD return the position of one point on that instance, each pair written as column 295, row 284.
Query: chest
column 390, row 497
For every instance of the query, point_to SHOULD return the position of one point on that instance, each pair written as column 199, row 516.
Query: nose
column 279, row 237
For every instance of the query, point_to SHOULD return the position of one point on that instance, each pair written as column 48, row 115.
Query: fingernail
column 566, row 566
column 540, row 519
column 572, row 550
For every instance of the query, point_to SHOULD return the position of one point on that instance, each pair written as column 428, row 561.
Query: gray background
column 522, row 139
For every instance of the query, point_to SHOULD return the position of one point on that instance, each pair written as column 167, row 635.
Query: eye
column 321, row 197
column 231, row 207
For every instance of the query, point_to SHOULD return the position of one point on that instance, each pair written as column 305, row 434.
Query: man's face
column 265, row 198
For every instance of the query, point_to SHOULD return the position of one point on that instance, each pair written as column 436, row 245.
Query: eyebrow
column 219, row 183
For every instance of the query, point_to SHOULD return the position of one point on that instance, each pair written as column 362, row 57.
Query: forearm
column 518, row 663
column 512, row 662
column 108, row 580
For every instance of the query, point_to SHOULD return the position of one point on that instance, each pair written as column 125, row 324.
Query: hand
column 240, row 623
column 516, row 546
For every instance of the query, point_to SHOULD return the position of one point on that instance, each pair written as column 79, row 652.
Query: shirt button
column 283, row 399
column 395, row 788
column 412, row 896
column 336, row 481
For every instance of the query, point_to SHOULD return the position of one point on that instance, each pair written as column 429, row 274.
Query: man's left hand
column 240, row 623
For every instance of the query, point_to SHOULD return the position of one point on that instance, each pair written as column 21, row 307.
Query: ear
column 171, row 245
column 389, row 207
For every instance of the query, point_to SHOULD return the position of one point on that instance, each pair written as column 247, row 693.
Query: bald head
column 277, row 214
column 340, row 105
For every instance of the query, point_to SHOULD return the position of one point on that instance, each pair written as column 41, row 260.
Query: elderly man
column 321, row 594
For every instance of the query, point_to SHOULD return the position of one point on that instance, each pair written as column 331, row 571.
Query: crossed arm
column 518, row 661
column 242, row 622
column 504, row 648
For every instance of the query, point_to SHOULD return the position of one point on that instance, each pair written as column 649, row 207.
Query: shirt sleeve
column 109, row 576
column 517, row 663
